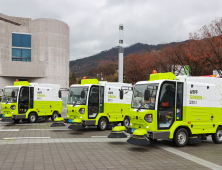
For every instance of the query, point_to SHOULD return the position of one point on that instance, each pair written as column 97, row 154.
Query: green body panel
column 114, row 112
column 42, row 108
column 140, row 132
column 199, row 118
column 161, row 76
column 119, row 128
column 7, row 110
column 89, row 81
column 21, row 83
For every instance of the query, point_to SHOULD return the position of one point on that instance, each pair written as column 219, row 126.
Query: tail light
column 149, row 118
column 82, row 110
column 12, row 107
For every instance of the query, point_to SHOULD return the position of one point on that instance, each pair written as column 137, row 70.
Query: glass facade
column 21, row 47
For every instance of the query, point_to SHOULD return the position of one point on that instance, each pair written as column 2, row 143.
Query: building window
column 21, row 47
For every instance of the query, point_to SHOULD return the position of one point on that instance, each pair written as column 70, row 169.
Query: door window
column 93, row 102
column 179, row 108
column 166, row 105
column 101, row 99
column 23, row 100
column 31, row 97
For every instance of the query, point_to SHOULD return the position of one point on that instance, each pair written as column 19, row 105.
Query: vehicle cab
column 157, row 105
column 16, row 100
column 85, row 98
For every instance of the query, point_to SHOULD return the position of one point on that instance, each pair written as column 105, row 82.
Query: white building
column 34, row 50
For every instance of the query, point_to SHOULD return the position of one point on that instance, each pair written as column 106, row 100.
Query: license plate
column 70, row 120
column 132, row 130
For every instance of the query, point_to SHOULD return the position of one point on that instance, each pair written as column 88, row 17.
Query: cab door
column 166, row 105
column 23, row 100
column 93, row 104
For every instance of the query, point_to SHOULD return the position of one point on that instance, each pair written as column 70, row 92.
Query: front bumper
column 158, row 135
column 19, row 117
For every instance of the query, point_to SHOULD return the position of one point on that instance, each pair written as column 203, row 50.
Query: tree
column 72, row 78
column 208, row 44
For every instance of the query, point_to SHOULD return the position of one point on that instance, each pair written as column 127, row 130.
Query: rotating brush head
column 7, row 120
column 117, row 135
column 138, row 140
column 76, row 127
column 194, row 141
column 57, row 125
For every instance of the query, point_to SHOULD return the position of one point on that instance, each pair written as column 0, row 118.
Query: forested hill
column 81, row 67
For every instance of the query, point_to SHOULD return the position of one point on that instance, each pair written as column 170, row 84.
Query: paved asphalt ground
column 38, row 146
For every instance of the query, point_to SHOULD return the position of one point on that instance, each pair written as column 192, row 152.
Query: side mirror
column 147, row 94
column 60, row 94
column 13, row 94
column 121, row 94
column 83, row 94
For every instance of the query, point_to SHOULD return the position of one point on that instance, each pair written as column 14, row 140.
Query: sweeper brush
column 194, row 140
column 58, row 122
column 118, row 132
column 76, row 127
column 7, row 120
column 138, row 140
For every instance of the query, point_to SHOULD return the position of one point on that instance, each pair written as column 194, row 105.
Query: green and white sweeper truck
column 97, row 103
column 30, row 101
column 184, row 109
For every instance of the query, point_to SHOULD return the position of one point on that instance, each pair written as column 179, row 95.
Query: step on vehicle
column 184, row 109
column 97, row 103
column 31, row 101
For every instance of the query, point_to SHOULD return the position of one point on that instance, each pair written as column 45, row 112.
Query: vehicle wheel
column 126, row 122
column 32, row 117
column 181, row 137
column 102, row 124
column 54, row 115
column 16, row 120
column 217, row 137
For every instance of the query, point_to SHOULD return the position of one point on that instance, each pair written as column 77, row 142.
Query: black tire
column 54, row 115
column 32, row 117
column 217, row 137
column 181, row 137
column 16, row 120
column 126, row 122
column 102, row 124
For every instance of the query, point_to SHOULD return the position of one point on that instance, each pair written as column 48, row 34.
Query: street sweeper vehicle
column 97, row 103
column 184, row 109
column 31, row 101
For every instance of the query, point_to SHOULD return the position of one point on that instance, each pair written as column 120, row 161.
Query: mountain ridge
column 82, row 66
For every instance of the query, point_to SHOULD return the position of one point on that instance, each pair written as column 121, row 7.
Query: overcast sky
column 94, row 24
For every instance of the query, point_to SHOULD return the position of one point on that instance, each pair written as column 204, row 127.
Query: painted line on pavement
column 45, row 129
column 10, row 130
column 28, row 138
column 190, row 157
column 30, row 124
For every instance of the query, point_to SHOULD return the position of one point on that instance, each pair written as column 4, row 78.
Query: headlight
column 82, row 110
column 148, row 118
column 12, row 107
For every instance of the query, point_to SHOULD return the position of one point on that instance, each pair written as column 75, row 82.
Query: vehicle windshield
column 138, row 96
column 7, row 95
column 75, row 95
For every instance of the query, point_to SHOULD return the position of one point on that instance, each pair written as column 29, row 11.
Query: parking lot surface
column 39, row 146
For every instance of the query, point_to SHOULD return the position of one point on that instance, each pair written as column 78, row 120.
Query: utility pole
column 120, row 75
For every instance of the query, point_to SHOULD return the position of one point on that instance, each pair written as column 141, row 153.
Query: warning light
column 16, row 80
column 154, row 72
column 84, row 78
column 189, row 122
